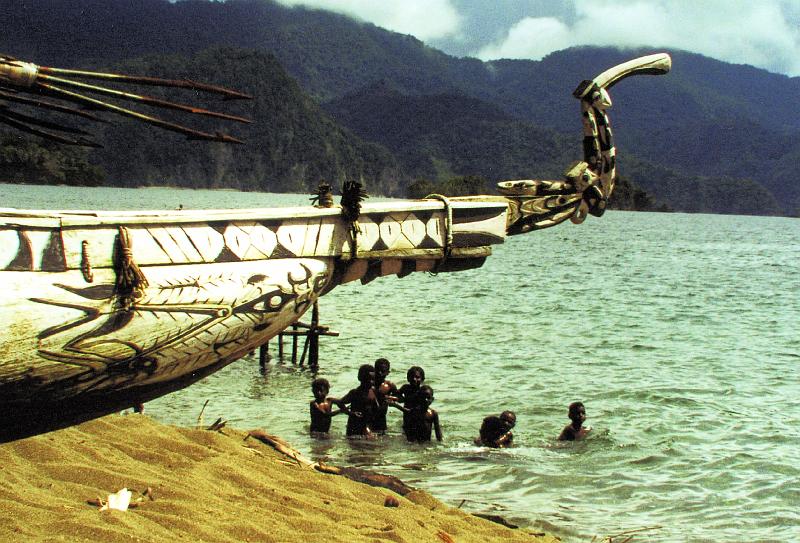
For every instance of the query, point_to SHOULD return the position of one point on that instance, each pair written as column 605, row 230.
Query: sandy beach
column 206, row 486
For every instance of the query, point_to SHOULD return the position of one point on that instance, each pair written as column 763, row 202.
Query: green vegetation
column 701, row 194
column 630, row 197
column 291, row 147
column 709, row 137
column 44, row 163
column 450, row 135
column 455, row 186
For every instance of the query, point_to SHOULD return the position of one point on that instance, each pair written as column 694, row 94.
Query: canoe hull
column 208, row 293
column 71, row 345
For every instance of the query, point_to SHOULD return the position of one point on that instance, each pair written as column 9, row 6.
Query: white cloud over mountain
column 763, row 33
column 760, row 33
column 425, row 19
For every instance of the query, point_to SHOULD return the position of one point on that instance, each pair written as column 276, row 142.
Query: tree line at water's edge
column 336, row 99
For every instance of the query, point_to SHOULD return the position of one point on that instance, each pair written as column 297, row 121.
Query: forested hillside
column 24, row 160
column 291, row 146
column 446, row 135
column 710, row 136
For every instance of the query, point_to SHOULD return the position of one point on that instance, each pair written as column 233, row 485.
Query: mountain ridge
column 696, row 122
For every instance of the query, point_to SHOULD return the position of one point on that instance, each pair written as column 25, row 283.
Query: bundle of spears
column 66, row 91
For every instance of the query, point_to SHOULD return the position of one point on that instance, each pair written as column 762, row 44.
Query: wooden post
column 294, row 345
column 263, row 355
column 305, row 348
column 310, row 332
column 313, row 338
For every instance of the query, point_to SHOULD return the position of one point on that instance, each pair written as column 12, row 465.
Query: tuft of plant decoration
column 323, row 196
column 353, row 194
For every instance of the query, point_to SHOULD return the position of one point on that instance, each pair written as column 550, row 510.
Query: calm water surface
column 679, row 333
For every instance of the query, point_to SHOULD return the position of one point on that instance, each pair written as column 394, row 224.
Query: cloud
column 765, row 33
column 425, row 19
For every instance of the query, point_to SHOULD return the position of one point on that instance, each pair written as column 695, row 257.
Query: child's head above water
column 509, row 418
column 577, row 413
column 320, row 388
column 415, row 375
column 366, row 374
column 426, row 393
column 381, row 369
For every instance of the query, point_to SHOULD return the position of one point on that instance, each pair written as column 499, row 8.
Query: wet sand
column 206, row 486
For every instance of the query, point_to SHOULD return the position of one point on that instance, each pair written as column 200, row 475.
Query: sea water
column 680, row 333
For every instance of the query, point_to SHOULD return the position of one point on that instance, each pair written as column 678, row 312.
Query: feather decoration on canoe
column 353, row 194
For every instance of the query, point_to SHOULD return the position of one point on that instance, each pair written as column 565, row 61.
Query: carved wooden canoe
column 103, row 310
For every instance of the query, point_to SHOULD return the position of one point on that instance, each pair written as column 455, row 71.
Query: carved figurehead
column 587, row 185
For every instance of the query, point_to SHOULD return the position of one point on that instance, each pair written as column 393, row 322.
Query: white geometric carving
column 9, row 246
column 39, row 241
column 292, row 235
column 390, row 231
column 175, row 244
column 369, row 234
column 413, row 229
column 433, row 230
column 237, row 240
column 207, row 240
column 262, row 241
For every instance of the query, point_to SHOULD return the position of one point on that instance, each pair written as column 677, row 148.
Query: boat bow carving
column 588, row 184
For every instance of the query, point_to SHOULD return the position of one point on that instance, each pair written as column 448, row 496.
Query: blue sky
column 762, row 33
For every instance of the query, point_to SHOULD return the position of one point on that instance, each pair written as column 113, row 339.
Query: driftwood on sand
column 356, row 474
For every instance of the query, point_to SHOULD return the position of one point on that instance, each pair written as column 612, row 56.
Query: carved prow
column 535, row 204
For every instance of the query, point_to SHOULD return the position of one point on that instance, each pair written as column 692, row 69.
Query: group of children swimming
column 367, row 405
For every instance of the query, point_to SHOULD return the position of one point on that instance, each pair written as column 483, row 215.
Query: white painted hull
column 212, row 292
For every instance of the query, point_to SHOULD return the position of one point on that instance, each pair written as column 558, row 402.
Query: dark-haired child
column 320, row 407
column 363, row 402
column 408, row 394
column 386, row 391
column 421, row 420
column 496, row 430
column 575, row 429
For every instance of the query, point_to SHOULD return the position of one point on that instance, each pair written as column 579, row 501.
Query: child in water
column 421, row 420
column 386, row 391
column 409, row 393
column 320, row 407
column 496, row 430
column 363, row 402
column 575, row 430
